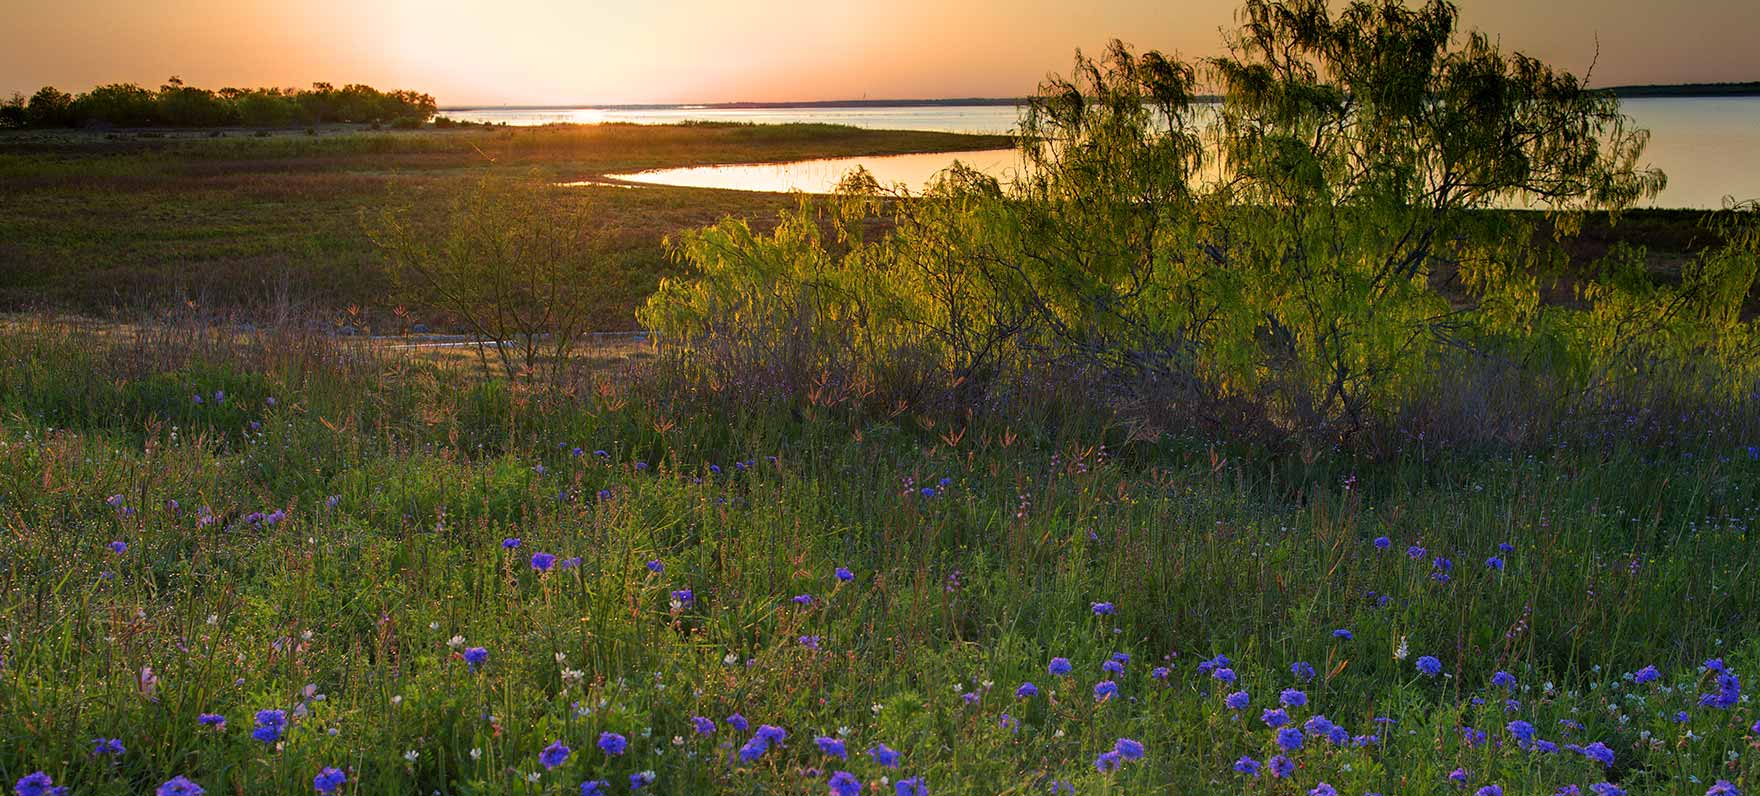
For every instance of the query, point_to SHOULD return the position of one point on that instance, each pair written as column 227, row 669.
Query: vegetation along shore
column 1236, row 447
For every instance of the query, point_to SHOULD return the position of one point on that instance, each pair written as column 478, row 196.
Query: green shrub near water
column 1321, row 245
column 854, row 501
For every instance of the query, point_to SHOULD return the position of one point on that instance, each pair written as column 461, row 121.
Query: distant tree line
column 177, row 105
column 1748, row 89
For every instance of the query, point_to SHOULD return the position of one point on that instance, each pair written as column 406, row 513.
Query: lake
column 1708, row 146
column 821, row 176
column 940, row 118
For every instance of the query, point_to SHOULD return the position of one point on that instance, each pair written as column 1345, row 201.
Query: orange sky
column 632, row 51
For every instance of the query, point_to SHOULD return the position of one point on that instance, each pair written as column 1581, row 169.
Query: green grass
column 96, row 224
column 1622, row 557
column 101, row 225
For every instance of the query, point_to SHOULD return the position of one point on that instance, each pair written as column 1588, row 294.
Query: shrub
column 525, row 282
column 50, row 107
column 1314, row 243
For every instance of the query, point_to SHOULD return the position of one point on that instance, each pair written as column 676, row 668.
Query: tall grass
column 315, row 539
column 98, row 225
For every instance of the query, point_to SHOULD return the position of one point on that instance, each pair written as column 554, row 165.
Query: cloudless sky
column 666, row 51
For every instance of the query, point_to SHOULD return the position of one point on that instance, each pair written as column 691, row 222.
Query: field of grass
column 99, row 224
column 266, row 559
column 273, row 225
column 249, row 560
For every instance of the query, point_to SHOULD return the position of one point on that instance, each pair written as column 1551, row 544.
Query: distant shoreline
column 737, row 106
column 1747, row 89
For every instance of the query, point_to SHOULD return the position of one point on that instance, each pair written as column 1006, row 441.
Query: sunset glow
column 555, row 52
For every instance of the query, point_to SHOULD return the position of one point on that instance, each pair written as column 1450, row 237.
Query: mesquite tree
column 1325, row 219
column 1309, row 223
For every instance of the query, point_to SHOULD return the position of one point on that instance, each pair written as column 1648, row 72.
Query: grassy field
column 276, row 225
column 99, row 223
column 265, row 559
column 251, row 559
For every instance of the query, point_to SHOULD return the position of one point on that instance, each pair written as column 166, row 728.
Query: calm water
column 944, row 118
column 1709, row 147
column 821, row 176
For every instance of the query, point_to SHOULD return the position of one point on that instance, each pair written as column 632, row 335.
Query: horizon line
column 1678, row 89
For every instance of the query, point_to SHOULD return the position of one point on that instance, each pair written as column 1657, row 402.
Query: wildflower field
column 282, row 564
column 1293, row 423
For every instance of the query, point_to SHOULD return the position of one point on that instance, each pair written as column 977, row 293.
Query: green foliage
column 1623, row 556
column 1316, row 243
column 119, row 104
column 13, row 113
column 84, row 218
column 187, row 106
column 509, row 264
column 1633, row 328
column 50, row 107
column 179, row 105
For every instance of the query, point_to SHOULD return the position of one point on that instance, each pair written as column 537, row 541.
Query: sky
column 499, row 52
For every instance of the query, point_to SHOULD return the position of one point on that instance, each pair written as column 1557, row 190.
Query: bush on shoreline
column 1317, row 250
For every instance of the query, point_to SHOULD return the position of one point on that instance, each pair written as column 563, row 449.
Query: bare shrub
column 516, row 266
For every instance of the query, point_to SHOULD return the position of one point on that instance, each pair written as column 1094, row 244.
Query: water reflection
column 1709, row 147
column 912, row 172
column 937, row 118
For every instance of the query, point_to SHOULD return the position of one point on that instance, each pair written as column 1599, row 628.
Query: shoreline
column 1633, row 91
column 241, row 221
